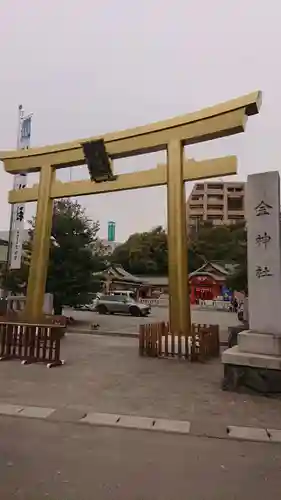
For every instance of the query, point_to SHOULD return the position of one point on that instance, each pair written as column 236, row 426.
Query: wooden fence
column 31, row 343
column 155, row 340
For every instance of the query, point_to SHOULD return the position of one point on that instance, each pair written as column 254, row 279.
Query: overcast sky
column 89, row 67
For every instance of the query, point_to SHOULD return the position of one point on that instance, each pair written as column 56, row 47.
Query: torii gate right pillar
column 179, row 306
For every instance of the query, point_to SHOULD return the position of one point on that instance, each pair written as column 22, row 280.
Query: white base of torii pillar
column 256, row 360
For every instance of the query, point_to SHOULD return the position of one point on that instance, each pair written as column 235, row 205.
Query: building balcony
column 215, row 200
column 193, row 211
column 213, row 191
column 234, row 213
column 215, row 211
column 195, row 202
column 235, row 196
column 235, row 189
column 198, row 188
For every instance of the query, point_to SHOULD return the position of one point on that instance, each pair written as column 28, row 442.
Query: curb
column 99, row 333
column 183, row 427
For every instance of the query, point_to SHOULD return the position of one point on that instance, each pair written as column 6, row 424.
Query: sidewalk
column 68, row 461
column 106, row 375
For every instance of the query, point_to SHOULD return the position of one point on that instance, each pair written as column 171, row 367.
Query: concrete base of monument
column 256, row 371
column 259, row 343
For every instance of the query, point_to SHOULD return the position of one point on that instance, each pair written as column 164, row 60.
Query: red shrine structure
column 207, row 282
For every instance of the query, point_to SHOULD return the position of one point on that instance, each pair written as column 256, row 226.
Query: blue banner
column 226, row 293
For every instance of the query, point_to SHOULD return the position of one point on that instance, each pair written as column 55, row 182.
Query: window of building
column 238, row 189
column 215, row 217
column 215, row 186
column 236, row 217
column 215, row 197
column 197, row 197
column 196, row 217
column 197, row 206
column 215, row 207
column 235, row 203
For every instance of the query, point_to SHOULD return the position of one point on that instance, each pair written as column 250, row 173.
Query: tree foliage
column 219, row 243
column 75, row 254
column 144, row 253
column 239, row 279
column 147, row 253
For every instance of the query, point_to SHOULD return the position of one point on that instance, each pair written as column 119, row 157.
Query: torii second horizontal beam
column 193, row 170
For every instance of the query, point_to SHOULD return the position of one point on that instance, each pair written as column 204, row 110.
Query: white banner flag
column 17, row 225
column 20, row 182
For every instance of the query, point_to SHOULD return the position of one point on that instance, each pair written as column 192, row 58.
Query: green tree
column 219, row 243
column 239, row 279
column 227, row 244
column 144, row 253
column 147, row 254
column 75, row 254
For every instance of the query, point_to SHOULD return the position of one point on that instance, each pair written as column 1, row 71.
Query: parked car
column 84, row 307
column 121, row 304
column 90, row 306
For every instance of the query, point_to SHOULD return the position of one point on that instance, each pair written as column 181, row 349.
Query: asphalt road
column 60, row 461
column 131, row 324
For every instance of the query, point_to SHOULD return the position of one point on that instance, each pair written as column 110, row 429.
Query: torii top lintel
column 210, row 123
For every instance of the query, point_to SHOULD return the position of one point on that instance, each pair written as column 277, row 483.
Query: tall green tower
column 111, row 225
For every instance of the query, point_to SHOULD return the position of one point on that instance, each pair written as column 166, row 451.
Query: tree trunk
column 57, row 306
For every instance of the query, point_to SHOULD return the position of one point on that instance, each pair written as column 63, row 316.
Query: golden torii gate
column 171, row 135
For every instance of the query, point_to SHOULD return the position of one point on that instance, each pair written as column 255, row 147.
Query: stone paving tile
column 178, row 426
column 67, row 415
column 247, row 433
column 100, row 419
column 208, row 428
column 135, row 422
column 36, row 412
column 195, row 428
column 7, row 409
column 274, row 435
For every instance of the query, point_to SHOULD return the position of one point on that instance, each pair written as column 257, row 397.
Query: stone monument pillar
column 256, row 360
column 48, row 303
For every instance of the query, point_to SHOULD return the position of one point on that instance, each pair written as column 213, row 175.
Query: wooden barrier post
column 156, row 340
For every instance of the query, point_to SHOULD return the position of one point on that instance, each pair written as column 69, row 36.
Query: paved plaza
column 112, row 425
column 54, row 442
column 106, row 374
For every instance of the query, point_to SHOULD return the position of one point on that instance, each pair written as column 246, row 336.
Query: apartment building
column 216, row 202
